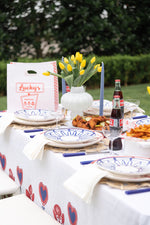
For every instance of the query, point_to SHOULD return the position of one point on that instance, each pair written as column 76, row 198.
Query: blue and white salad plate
column 125, row 165
column 70, row 135
column 35, row 115
column 143, row 121
column 69, row 145
column 106, row 104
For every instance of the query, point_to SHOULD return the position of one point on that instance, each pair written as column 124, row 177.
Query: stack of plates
column 126, row 168
column 37, row 117
column 72, row 137
column 107, row 108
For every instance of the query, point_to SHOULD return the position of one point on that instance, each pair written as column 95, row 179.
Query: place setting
column 31, row 117
column 61, row 138
column 130, row 107
column 125, row 169
column 38, row 117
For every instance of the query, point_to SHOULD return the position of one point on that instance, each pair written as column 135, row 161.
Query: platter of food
column 140, row 132
column 90, row 122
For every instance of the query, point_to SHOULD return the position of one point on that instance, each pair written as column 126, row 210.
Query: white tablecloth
column 43, row 182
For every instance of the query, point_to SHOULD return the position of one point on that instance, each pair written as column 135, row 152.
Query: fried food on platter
column 142, row 131
column 90, row 122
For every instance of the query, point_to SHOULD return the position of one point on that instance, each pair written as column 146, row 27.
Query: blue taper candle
column 101, row 91
column 63, row 86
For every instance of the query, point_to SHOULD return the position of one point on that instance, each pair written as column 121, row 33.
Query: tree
column 103, row 27
column 24, row 26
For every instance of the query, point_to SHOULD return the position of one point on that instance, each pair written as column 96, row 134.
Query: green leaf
column 75, row 72
column 69, row 80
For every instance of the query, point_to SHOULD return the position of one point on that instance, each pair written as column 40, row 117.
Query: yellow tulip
column 46, row 73
column 148, row 89
column 82, row 72
column 96, row 66
column 61, row 65
column 66, row 60
column 69, row 67
column 78, row 57
column 83, row 63
column 99, row 69
column 93, row 60
column 74, row 61
column 72, row 58
column 77, row 54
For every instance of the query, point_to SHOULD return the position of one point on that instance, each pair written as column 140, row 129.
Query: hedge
column 130, row 69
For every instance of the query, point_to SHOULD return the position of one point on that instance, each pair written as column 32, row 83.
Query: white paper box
column 137, row 148
column 32, row 90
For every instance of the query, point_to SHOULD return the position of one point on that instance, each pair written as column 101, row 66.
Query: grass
column 3, row 103
column 133, row 91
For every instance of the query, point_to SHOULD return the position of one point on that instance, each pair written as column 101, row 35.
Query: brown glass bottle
column 116, row 123
column 118, row 91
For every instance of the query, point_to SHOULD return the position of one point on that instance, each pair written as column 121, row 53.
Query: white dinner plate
column 38, row 123
column 70, row 135
column 98, row 138
column 125, row 165
column 143, row 121
column 36, row 115
column 128, row 178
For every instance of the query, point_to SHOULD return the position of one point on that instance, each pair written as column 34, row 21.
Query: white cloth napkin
column 82, row 183
column 35, row 148
column 5, row 121
column 140, row 110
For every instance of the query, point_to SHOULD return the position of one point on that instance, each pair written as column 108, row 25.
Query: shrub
column 130, row 69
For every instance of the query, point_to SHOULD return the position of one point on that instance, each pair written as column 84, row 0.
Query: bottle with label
column 118, row 91
column 116, row 123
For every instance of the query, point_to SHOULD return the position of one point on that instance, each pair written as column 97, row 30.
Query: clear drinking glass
column 111, row 134
column 133, row 105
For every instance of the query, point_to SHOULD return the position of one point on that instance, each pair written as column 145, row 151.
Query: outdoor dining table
column 42, row 181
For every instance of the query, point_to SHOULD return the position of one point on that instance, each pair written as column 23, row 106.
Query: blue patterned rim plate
column 35, row 115
column 125, row 165
column 70, row 135
column 143, row 121
column 69, row 145
column 107, row 104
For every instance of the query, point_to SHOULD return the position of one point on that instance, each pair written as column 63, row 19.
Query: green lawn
column 3, row 103
column 132, row 91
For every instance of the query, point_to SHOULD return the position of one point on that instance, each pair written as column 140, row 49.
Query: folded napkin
column 140, row 110
column 5, row 121
column 82, row 183
column 35, row 148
